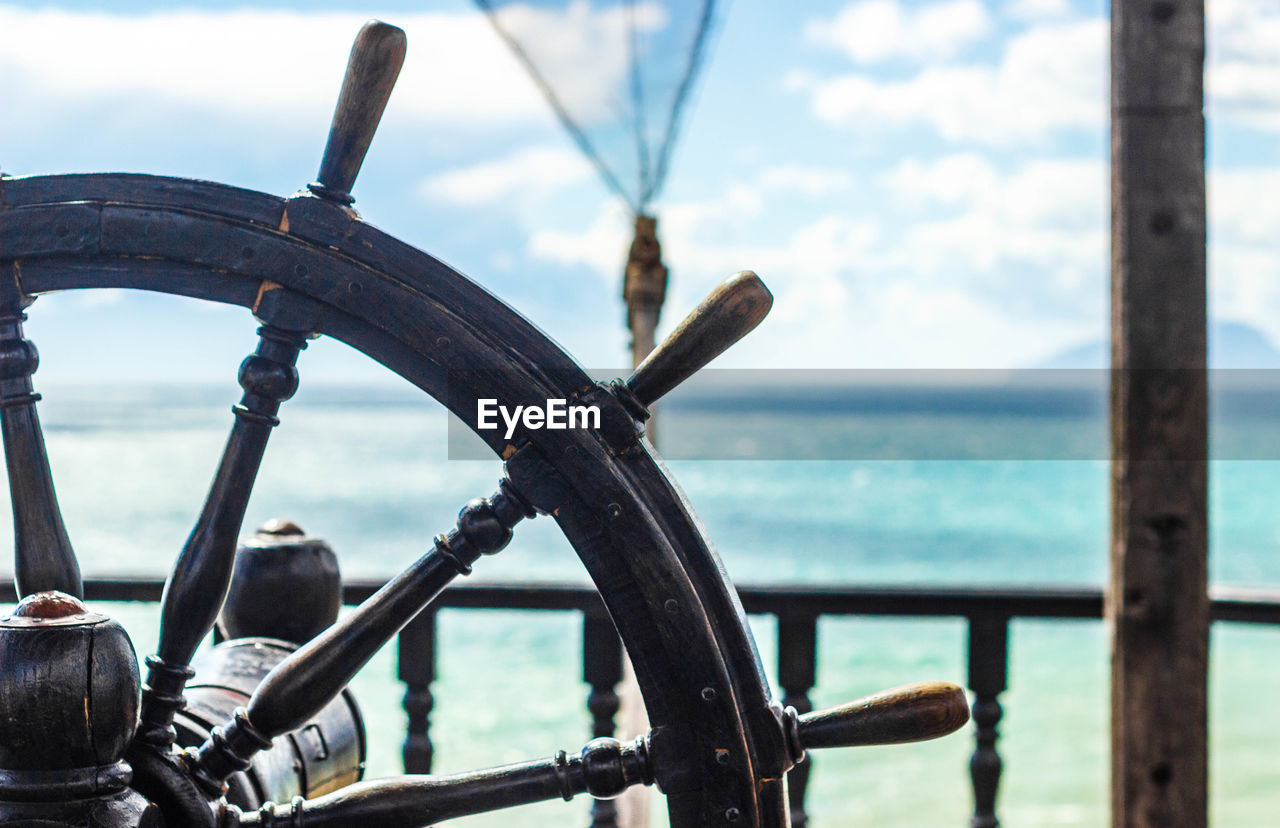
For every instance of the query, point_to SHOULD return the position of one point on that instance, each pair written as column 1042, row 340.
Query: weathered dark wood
column 730, row 312
column 602, row 671
column 324, row 754
column 69, row 696
column 162, row 777
column 1245, row 606
column 1249, row 606
column 988, row 678
column 657, row 574
column 644, row 287
column 285, row 584
column 79, row 708
column 604, row 768
column 197, row 587
column 913, row 713
column 46, row 230
column 43, row 557
column 374, row 65
column 797, row 673
column 1158, row 604
column 300, row 685
column 416, row 667
column 143, row 274
column 136, row 188
column 628, row 523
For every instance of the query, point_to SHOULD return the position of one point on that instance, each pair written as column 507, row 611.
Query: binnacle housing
column 69, row 694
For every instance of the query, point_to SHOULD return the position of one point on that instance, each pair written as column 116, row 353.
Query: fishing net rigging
column 618, row 74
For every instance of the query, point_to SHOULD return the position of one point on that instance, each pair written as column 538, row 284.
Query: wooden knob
column 729, row 313
column 68, row 693
column 285, row 585
column 376, row 58
column 905, row 714
column 49, row 605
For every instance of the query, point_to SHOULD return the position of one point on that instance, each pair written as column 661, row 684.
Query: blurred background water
column 368, row 469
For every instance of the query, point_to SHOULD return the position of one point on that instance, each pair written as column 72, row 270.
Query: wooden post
column 644, row 289
column 1158, row 608
column 988, row 678
column 797, row 673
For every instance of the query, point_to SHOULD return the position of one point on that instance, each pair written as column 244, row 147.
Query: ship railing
column 986, row 611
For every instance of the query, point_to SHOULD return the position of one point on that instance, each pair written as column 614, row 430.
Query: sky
column 921, row 184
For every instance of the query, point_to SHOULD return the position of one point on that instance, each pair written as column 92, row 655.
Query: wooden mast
column 1157, row 608
column 644, row 289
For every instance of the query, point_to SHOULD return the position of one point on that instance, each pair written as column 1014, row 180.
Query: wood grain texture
column 604, row 768
column 44, row 559
column 730, row 312
column 1158, row 605
column 303, row 683
column 912, row 713
column 201, row 575
column 700, row 675
column 376, row 58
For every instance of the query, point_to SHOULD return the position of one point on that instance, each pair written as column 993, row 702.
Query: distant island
column 1232, row 345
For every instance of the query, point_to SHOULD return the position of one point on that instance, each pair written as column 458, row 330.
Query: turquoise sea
column 369, row 469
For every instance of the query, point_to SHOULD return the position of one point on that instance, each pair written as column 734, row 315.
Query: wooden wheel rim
column 656, row 571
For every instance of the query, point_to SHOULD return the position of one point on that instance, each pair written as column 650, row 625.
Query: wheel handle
column 376, row 58
column 604, row 768
column 912, row 713
column 731, row 311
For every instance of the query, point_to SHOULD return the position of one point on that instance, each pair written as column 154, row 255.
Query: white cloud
column 268, row 65
column 1043, row 222
column 1048, row 78
column 533, row 172
column 871, row 31
column 1035, row 10
column 563, row 43
column 1242, row 204
column 915, row 326
column 1243, row 65
column 602, row 247
column 1244, row 261
column 824, row 248
column 706, row 241
column 853, row 291
column 805, row 179
column 1062, row 192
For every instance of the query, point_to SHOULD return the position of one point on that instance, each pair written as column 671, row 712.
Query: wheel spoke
column 604, row 769
column 43, row 557
column 197, row 587
column 313, row 675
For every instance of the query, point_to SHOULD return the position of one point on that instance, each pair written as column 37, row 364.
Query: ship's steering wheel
column 720, row 746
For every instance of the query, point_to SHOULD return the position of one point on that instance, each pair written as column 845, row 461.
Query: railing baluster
column 417, row 669
column 797, row 671
column 602, row 670
column 988, row 678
